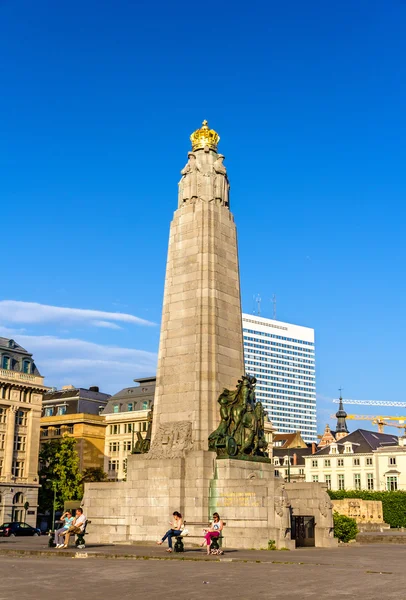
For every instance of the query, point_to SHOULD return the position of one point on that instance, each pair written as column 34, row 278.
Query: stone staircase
column 391, row 536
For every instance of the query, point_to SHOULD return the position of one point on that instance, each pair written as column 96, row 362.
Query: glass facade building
column 281, row 357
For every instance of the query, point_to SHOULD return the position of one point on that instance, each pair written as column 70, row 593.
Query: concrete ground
column 368, row 572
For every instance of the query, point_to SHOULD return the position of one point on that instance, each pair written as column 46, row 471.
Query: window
column 341, row 484
column 26, row 366
column 49, row 412
column 328, row 481
column 3, row 415
column 370, row 481
column 276, row 461
column 61, row 410
column 114, row 447
column 391, row 483
column 69, row 429
column 21, row 418
column 1, row 470
column 128, row 427
column 314, row 463
column 130, row 406
column 144, row 425
column 116, row 408
column 44, row 432
column 368, row 461
column 392, row 460
column 287, row 461
column 127, row 445
column 2, row 440
column 114, row 429
column 301, row 472
column 340, row 462
column 357, row 481
column 276, row 473
column 125, row 466
column 356, row 463
column 333, row 449
column 113, row 465
column 348, row 448
column 315, row 478
column 18, row 468
column 19, row 443
column 57, row 431
column 3, row 392
column 145, row 405
column 5, row 363
column 327, row 462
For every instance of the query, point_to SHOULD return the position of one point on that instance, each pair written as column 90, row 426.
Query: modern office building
column 281, row 357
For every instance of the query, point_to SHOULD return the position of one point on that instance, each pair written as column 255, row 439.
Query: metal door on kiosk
column 303, row 531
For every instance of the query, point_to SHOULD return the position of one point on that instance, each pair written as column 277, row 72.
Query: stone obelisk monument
column 200, row 354
column 201, row 347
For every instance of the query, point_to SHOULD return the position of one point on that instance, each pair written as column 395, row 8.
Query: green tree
column 93, row 474
column 345, row 528
column 59, row 468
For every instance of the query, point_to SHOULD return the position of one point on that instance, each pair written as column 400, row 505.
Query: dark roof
column 138, row 396
column 74, row 393
column 364, row 441
column 300, row 453
column 9, row 347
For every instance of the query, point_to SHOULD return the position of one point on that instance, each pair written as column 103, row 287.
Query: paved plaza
column 369, row 572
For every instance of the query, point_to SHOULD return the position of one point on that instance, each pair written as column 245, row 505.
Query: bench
column 80, row 537
column 179, row 544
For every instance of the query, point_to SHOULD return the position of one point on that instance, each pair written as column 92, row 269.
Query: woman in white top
column 176, row 529
column 216, row 527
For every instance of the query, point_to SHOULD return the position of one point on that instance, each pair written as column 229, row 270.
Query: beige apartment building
column 76, row 412
column 21, row 392
column 126, row 415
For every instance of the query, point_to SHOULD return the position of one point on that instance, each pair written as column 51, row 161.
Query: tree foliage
column 393, row 503
column 59, row 470
column 93, row 474
column 345, row 528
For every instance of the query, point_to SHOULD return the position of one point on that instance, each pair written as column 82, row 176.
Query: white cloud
column 106, row 324
column 14, row 311
column 74, row 361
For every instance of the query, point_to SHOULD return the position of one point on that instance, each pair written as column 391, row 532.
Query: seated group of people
column 71, row 525
column 177, row 528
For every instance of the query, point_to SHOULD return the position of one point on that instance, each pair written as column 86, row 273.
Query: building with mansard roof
column 21, row 392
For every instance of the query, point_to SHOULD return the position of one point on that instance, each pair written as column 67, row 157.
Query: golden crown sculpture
column 204, row 137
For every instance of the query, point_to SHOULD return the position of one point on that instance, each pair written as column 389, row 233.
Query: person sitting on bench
column 216, row 527
column 67, row 519
column 77, row 526
column 176, row 530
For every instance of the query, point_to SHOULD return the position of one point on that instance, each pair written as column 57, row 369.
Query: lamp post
column 53, row 506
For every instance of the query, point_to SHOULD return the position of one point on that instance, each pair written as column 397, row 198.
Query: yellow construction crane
column 380, row 420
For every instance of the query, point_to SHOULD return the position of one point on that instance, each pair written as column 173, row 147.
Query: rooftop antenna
column 274, row 307
column 258, row 302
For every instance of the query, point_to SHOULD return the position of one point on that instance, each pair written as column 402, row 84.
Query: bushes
column 345, row 528
column 393, row 503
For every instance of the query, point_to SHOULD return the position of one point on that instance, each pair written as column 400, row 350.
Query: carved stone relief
column 172, row 440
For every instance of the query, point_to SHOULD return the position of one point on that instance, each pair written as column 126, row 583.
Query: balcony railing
column 25, row 377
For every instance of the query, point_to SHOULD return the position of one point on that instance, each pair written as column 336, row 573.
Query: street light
column 53, row 506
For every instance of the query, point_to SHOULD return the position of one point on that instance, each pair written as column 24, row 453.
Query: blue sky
column 98, row 101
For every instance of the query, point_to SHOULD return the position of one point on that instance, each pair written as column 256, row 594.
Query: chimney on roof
column 294, row 459
column 94, row 388
column 314, row 448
